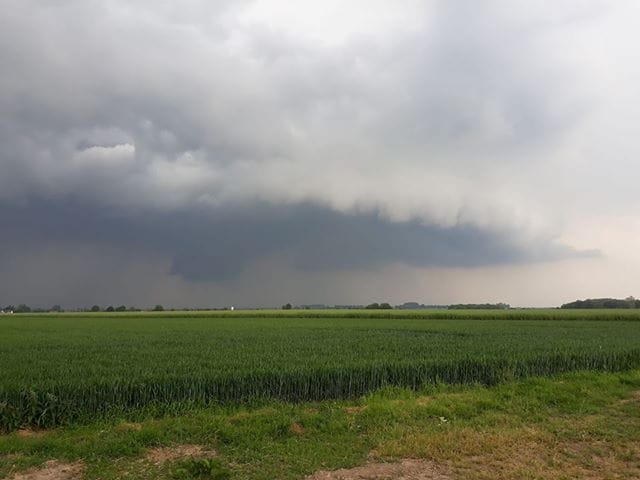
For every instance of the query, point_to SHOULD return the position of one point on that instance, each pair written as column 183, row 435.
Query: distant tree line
column 22, row 308
column 629, row 302
column 319, row 306
column 420, row 306
column 479, row 306
column 379, row 306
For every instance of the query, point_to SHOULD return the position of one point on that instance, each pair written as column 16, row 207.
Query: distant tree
column 9, row 308
column 158, row 308
column 615, row 303
column 56, row 308
column 601, row 303
column 411, row 306
column 95, row 308
column 109, row 308
column 121, row 308
column 287, row 307
column 379, row 306
column 22, row 308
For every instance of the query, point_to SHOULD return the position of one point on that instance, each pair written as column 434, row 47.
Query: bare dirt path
column 53, row 470
column 408, row 469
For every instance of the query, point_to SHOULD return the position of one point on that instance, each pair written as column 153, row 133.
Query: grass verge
column 577, row 425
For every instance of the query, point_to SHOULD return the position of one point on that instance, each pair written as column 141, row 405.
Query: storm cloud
column 212, row 137
column 216, row 244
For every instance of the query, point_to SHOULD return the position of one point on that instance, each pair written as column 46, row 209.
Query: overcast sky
column 258, row 152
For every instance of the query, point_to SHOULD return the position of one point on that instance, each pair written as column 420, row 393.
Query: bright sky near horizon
column 259, row 152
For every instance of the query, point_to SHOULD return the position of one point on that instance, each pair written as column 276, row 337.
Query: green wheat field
column 61, row 369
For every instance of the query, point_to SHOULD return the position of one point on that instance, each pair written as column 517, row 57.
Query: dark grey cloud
column 218, row 244
column 215, row 135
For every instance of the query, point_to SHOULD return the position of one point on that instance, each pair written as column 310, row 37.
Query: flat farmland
column 64, row 368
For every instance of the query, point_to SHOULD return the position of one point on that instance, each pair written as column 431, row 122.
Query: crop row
column 71, row 403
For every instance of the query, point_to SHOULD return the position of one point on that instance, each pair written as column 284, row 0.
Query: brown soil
column 161, row 455
column 408, row 469
column 52, row 470
column 296, row 429
column 596, row 460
